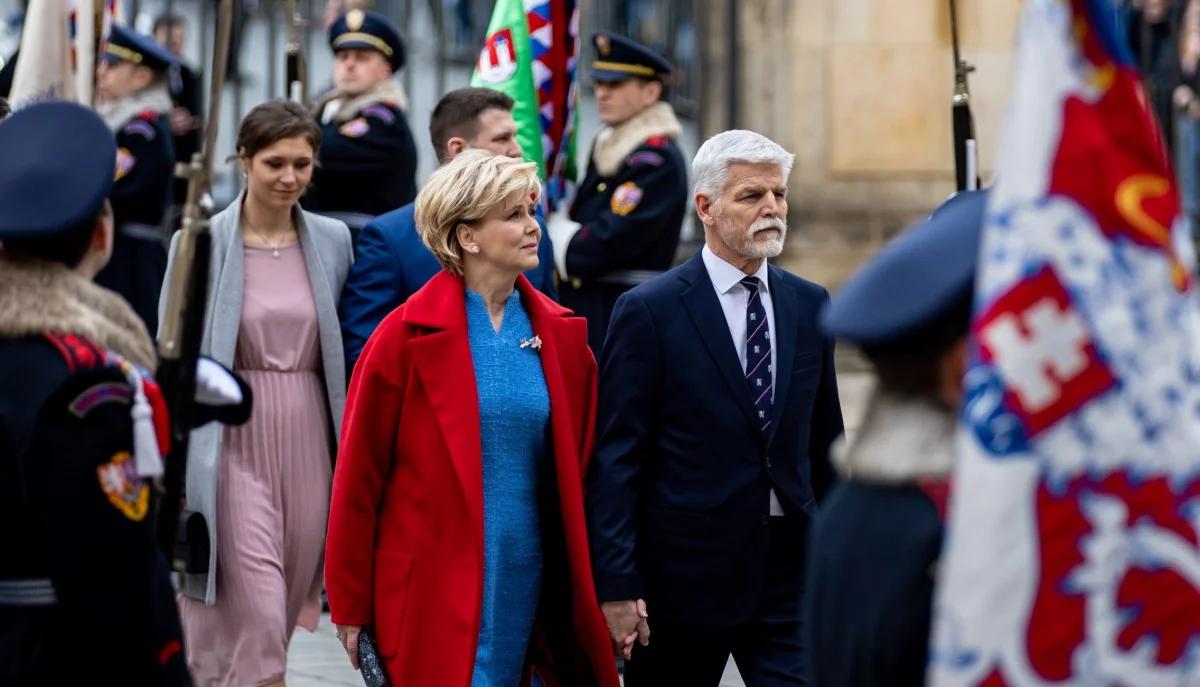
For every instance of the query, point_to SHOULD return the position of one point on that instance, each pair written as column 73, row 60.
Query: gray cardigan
column 328, row 254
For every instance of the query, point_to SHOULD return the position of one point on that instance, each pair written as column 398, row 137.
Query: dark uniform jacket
column 631, row 206
column 874, row 549
column 368, row 158
column 140, row 197
column 85, row 596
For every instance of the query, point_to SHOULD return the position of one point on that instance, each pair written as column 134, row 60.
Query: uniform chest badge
column 124, row 489
column 355, row 128
column 125, row 163
column 626, row 198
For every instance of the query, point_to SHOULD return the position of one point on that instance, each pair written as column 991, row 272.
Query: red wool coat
column 405, row 543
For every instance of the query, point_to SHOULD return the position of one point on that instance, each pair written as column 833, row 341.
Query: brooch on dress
column 535, row 343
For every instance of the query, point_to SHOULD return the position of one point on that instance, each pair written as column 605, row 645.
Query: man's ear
column 652, row 92
column 705, row 209
column 456, row 145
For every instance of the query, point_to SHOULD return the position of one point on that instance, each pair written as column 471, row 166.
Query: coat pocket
column 392, row 574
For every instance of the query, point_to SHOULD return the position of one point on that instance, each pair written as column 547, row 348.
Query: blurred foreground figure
column 85, row 596
column 876, row 543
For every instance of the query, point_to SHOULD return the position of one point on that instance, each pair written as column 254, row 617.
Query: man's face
column 172, row 38
column 116, row 80
column 497, row 133
column 358, row 70
column 750, row 217
column 619, row 101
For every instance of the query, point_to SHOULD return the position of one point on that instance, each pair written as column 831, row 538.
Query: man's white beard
column 745, row 244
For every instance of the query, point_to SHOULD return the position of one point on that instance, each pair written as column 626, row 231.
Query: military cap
column 369, row 30
column 126, row 45
column 919, row 277
column 618, row 58
column 58, row 167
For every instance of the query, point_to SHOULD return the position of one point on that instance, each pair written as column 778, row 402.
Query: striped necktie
column 758, row 352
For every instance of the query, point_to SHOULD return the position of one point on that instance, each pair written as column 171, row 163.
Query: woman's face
column 507, row 238
column 279, row 173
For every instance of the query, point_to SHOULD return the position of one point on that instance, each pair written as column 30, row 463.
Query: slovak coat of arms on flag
column 1073, row 544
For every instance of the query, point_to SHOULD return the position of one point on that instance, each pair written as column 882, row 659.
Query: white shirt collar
column 725, row 276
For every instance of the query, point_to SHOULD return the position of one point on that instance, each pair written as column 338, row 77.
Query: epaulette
column 79, row 353
column 381, row 111
column 657, row 141
column 143, row 125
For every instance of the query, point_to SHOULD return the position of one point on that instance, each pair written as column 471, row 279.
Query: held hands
column 627, row 621
column 348, row 636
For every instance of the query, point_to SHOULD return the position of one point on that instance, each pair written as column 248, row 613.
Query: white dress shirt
column 733, row 296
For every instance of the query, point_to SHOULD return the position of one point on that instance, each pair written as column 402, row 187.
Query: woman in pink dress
column 263, row 488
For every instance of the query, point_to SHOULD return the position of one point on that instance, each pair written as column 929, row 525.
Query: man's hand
column 627, row 621
column 348, row 636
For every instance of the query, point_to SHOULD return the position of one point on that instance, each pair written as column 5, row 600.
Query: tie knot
column 752, row 284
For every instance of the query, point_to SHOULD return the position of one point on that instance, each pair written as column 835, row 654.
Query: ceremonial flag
column 59, row 49
column 530, row 54
column 44, row 68
column 1073, row 542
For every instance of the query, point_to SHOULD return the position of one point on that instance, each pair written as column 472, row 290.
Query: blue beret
column 921, row 275
column 58, row 168
column 368, row 30
column 618, row 58
column 126, row 45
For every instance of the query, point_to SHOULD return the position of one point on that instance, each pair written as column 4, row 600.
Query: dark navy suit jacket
column 390, row 264
column 679, row 488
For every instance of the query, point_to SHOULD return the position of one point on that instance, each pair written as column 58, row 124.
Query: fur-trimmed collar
column 335, row 106
column 615, row 143
column 38, row 296
column 902, row 439
column 117, row 113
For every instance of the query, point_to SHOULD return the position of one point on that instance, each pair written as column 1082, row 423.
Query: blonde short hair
column 466, row 190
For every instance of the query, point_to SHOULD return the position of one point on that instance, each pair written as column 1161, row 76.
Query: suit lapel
column 787, row 315
column 702, row 305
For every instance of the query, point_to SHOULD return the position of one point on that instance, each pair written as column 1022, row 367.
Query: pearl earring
column 474, row 249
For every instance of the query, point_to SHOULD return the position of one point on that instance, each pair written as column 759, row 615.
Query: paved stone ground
column 317, row 659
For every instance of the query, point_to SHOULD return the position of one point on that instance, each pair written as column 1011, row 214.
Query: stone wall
column 860, row 91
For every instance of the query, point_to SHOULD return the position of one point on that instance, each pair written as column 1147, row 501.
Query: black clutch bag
column 369, row 664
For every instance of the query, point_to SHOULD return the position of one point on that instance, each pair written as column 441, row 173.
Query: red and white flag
column 1073, row 544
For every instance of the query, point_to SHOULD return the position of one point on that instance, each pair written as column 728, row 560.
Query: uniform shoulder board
column 78, row 352
column 382, row 112
column 142, row 125
column 658, row 141
column 645, row 157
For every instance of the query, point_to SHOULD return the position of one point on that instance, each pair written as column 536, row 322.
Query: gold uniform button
column 601, row 187
column 576, row 282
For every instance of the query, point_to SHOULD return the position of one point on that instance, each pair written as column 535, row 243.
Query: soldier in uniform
column 85, row 596
column 624, row 224
column 875, row 547
column 132, row 81
column 368, row 158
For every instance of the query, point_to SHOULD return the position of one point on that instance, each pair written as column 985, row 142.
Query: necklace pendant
column 275, row 252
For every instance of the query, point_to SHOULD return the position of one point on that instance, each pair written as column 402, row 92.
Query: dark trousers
column 767, row 648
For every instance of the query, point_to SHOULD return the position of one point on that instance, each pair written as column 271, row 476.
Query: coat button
column 602, row 187
column 768, row 462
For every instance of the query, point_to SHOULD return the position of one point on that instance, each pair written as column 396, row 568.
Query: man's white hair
column 710, row 167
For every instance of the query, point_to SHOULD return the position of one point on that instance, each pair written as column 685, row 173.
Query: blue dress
column 514, row 409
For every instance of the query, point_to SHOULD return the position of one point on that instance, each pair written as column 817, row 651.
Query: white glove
column 562, row 229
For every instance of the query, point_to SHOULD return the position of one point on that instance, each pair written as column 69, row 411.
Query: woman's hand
column 348, row 636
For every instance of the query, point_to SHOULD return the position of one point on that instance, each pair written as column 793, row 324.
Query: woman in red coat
column 456, row 534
